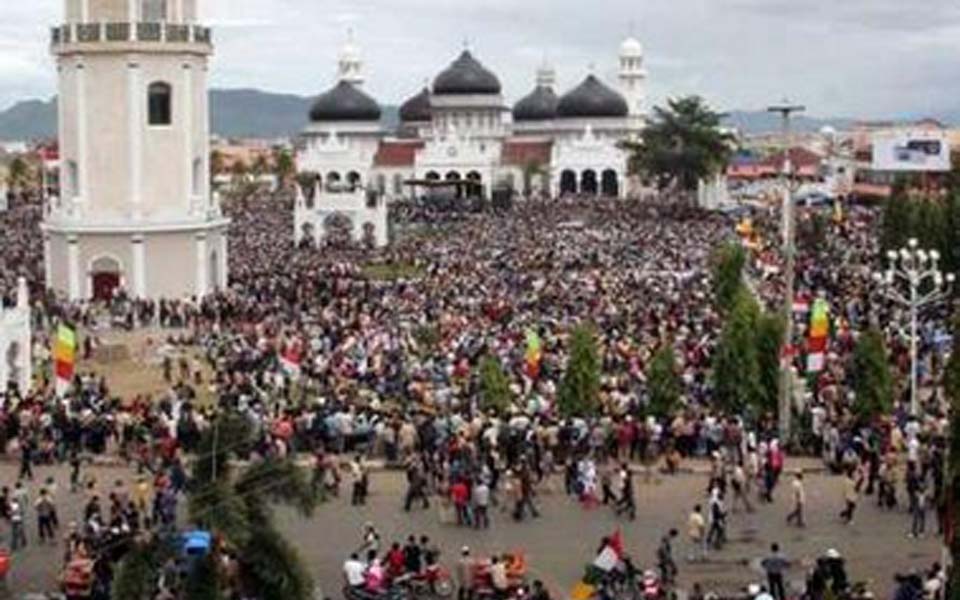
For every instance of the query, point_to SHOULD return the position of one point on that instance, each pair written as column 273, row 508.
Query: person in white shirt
column 799, row 499
column 354, row 571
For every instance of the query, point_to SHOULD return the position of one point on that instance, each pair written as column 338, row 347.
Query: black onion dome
column 592, row 99
column 466, row 76
column 417, row 108
column 345, row 103
column 539, row 105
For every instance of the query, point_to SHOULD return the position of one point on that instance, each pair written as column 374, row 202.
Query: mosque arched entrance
column 610, row 184
column 104, row 278
column 568, row 182
column 369, row 235
column 588, row 183
column 337, row 230
column 474, row 185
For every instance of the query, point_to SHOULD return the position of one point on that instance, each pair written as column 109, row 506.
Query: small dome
column 416, row 108
column 592, row 99
column 466, row 76
column 539, row 105
column 631, row 48
column 345, row 103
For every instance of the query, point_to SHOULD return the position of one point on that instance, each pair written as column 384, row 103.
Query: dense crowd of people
column 360, row 353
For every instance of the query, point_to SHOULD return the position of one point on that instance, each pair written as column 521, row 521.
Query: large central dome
column 466, row 76
column 345, row 103
column 592, row 99
column 539, row 105
column 416, row 108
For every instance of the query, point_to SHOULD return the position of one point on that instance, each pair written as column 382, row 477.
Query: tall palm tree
column 682, row 145
column 236, row 507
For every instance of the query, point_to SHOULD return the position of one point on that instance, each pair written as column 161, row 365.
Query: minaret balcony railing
column 125, row 32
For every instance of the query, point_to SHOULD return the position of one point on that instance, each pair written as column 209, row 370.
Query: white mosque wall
column 364, row 211
column 15, row 342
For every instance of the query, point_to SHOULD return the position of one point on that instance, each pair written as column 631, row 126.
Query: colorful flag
column 65, row 355
column 534, row 353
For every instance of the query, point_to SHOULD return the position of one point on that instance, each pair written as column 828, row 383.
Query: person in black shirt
column 412, row 556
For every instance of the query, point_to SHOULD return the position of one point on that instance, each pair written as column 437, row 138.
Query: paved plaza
column 564, row 539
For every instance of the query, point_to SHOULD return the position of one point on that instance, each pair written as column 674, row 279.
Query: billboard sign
column 911, row 151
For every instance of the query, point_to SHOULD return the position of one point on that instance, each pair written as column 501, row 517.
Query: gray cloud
column 852, row 57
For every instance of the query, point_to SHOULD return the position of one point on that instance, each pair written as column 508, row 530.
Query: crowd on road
column 327, row 355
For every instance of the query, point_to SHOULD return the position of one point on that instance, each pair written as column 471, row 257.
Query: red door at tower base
column 104, row 284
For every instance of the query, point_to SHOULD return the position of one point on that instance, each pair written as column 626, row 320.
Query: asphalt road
column 565, row 537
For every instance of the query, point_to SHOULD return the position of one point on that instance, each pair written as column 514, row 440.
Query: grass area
column 141, row 371
column 392, row 271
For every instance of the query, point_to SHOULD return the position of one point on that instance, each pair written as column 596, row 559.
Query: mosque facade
column 459, row 129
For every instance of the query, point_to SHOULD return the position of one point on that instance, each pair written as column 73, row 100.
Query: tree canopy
column 580, row 387
column 682, row 144
column 663, row 382
column 872, row 380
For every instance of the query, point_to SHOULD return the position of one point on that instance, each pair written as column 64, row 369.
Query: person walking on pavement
column 45, row 515
column 26, row 460
column 416, row 488
column 18, row 536
column 918, row 511
column 850, row 496
column 799, row 500
column 665, row 562
column 627, row 503
column 774, row 566
column 696, row 531
column 481, row 504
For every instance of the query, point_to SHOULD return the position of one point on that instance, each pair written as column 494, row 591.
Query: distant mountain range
column 258, row 114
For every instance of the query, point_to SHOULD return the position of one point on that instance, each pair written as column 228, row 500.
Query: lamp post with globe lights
column 925, row 285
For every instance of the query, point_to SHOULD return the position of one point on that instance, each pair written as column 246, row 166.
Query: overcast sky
column 866, row 58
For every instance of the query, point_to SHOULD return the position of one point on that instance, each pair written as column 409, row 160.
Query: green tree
column 727, row 274
column 135, row 575
column 663, row 382
column 284, row 165
column 871, row 377
column 736, row 366
column 237, row 506
column 217, row 163
column 896, row 222
column 494, row 385
column 769, row 341
column 580, row 386
column 683, row 144
column 18, row 176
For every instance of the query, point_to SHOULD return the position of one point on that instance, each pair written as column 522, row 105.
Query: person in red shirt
column 395, row 561
column 460, row 494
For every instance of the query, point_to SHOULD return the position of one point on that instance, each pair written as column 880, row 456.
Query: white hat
column 832, row 553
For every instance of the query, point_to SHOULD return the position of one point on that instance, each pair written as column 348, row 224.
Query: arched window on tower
column 159, row 103
column 153, row 11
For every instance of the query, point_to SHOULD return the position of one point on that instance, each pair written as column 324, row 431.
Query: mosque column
column 138, row 251
column 203, row 275
column 73, row 267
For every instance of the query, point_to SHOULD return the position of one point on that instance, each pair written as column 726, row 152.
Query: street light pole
column 785, row 110
column 916, row 268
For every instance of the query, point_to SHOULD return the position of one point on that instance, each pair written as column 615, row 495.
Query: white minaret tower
column 349, row 63
column 135, row 210
column 546, row 75
column 633, row 80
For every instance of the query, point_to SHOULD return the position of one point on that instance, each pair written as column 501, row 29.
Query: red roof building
column 397, row 154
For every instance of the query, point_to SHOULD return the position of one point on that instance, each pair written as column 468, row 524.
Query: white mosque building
column 459, row 129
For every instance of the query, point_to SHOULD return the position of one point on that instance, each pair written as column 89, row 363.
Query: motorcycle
column 435, row 582
column 395, row 592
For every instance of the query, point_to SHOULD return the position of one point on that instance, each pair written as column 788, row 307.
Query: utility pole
column 786, row 110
